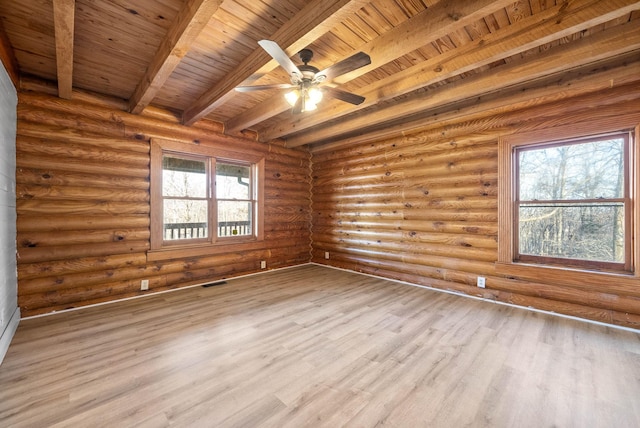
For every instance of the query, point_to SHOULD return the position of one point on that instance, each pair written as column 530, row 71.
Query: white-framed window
column 203, row 196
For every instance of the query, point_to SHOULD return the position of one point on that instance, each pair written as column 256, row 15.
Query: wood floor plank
column 315, row 346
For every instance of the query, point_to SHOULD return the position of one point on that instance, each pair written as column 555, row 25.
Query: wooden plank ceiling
column 428, row 56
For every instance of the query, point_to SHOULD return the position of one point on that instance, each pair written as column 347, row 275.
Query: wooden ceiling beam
column 427, row 26
column 191, row 20
column 63, row 21
column 551, row 24
column 256, row 114
column 607, row 44
column 494, row 107
column 314, row 20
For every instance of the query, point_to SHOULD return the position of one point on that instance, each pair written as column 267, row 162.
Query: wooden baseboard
column 141, row 296
column 528, row 308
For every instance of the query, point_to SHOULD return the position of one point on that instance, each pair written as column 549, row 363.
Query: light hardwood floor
column 313, row 346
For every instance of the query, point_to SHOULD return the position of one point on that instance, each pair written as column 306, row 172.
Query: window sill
column 611, row 281
column 198, row 250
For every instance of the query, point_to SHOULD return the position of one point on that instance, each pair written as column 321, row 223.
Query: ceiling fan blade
column 346, row 65
column 343, row 96
column 264, row 87
column 281, row 57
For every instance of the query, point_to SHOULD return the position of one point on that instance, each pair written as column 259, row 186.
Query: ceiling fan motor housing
column 305, row 55
column 308, row 71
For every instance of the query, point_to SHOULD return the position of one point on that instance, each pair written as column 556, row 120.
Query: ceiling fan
column 304, row 90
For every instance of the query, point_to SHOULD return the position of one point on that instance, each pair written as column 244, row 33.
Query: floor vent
column 213, row 284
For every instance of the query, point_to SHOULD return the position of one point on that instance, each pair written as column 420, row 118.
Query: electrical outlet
column 263, row 264
column 144, row 284
column 326, row 255
column 481, row 281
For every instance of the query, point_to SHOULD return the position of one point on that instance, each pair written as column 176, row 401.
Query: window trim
column 189, row 248
column 573, row 275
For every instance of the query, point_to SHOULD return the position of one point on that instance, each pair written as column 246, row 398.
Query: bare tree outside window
column 571, row 198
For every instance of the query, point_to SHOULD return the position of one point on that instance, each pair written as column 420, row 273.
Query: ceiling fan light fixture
column 309, row 105
column 315, row 95
column 292, row 97
column 311, row 97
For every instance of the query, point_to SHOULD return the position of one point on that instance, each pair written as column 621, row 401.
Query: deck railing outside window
column 174, row 231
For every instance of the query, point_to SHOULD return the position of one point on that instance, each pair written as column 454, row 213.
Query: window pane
column 573, row 171
column 233, row 181
column 184, row 219
column 234, row 218
column 184, row 177
column 586, row 232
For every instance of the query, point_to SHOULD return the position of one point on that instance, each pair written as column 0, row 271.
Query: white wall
column 9, row 311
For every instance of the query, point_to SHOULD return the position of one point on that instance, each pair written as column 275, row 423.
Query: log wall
column 83, row 204
column 423, row 208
